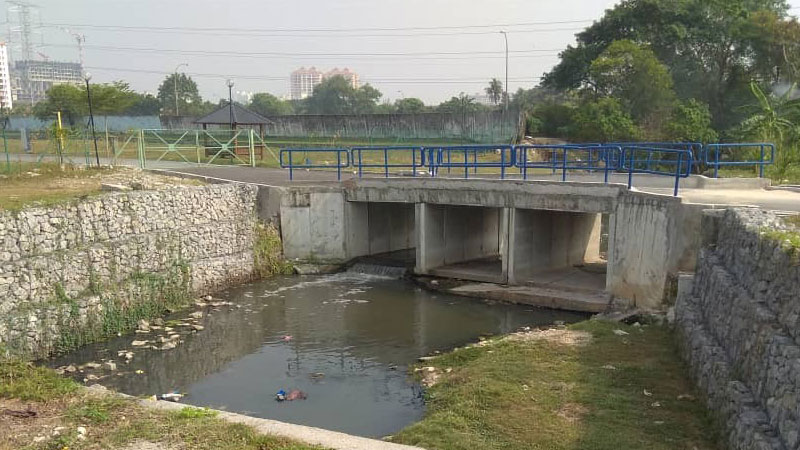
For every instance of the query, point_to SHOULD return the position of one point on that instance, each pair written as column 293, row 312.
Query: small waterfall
column 378, row 270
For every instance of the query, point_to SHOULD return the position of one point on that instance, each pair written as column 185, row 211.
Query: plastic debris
column 280, row 395
column 286, row 338
column 621, row 332
column 170, row 397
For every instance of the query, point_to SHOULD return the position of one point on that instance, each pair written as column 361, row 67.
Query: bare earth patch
column 572, row 412
column 555, row 335
column 146, row 445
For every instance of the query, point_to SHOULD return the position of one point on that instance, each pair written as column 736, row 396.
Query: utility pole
column 505, row 35
column 230, row 100
column 88, row 77
column 175, row 85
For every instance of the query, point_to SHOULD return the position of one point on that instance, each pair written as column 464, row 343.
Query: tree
column 364, row 100
column 555, row 119
column 189, row 101
column 459, row 105
column 113, row 98
column 144, row 105
column 691, row 122
column 67, row 98
column 708, row 46
column 409, row 105
column 495, row 90
column 269, row 105
column 603, row 120
column 633, row 74
column 336, row 95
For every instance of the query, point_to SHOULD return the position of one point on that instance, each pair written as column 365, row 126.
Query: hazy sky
column 454, row 46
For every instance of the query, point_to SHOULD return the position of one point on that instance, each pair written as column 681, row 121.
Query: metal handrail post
column 339, row 166
column 503, row 163
column 291, row 166
column 385, row 163
column 564, row 166
column 716, row 162
column 678, row 174
column 630, row 170
column 466, row 163
column 761, row 163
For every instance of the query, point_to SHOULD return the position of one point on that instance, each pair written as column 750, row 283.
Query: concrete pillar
column 430, row 237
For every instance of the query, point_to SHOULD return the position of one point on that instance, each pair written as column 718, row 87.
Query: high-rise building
column 5, row 79
column 348, row 75
column 31, row 79
column 303, row 81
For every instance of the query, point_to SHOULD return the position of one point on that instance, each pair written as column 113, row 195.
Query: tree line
column 178, row 94
column 683, row 70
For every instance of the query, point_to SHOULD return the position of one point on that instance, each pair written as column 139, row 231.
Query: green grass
column 793, row 221
column 544, row 395
column 24, row 381
column 195, row 413
column 47, row 184
column 788, row 239
column 96, row 410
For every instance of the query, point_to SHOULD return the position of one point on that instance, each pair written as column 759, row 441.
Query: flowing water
column 347, row 340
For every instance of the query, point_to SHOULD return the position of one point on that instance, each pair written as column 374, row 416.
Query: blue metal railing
column 416, row 160
column 715, row 156
column 675, row 159
column 657, row 161
column 470, row 157
column 288, row 159
column 590, row 158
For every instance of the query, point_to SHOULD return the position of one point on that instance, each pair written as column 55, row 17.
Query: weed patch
column 563, row 390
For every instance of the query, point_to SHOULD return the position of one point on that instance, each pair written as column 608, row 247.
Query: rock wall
column 73, row 273
column 740, row 328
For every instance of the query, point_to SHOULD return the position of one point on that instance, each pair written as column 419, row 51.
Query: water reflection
column 360, row 332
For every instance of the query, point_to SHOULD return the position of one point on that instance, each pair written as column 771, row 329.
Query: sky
column 430, row 49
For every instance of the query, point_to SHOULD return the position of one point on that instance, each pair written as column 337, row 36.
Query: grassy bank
column 583, row 387
column 68, row 417
column 47, row 184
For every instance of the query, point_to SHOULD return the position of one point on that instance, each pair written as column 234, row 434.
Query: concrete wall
column 319, row 225
column 543, row 240
column 739, row 325
column 453, row 234
column 313, row 225
column 62, row 268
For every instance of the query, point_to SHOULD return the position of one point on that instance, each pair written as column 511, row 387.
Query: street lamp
column 505, row 36
column 175, row 84
column 87, row 76
column 230, row 100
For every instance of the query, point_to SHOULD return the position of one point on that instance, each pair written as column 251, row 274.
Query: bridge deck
column 721, row 193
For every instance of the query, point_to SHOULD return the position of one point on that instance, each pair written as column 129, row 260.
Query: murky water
column 362, row 332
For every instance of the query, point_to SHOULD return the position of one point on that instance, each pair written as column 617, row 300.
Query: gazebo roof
column 241, row 116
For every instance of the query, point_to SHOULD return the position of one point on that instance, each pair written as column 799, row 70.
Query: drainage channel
column 345, row 340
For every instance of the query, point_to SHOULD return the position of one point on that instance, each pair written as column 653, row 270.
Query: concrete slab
column 485, row 270
column 554, row 298
column 590, row 278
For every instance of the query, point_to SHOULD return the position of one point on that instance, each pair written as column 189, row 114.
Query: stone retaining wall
column 739, row 327
column 75, row 272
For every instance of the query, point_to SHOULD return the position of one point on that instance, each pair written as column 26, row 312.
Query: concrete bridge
column 574, row 245
column 532, row 234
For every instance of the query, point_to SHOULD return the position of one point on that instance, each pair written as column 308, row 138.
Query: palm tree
column 495, row 90
column 776, row 119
